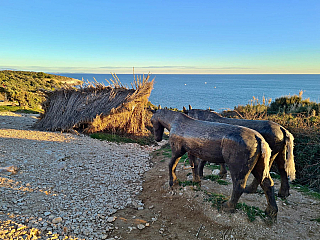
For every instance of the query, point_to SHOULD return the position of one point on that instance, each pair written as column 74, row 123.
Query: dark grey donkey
column 279, row 139
column 243, row 149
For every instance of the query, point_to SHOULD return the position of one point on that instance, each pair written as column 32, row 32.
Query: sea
column 217, row 91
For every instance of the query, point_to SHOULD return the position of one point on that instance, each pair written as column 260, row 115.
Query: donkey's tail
column 288, row 154
column 265, row 154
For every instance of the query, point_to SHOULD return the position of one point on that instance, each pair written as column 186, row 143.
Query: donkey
column 279, row 139
column 243, row 149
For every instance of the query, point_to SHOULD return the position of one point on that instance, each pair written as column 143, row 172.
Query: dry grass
column 95, row 107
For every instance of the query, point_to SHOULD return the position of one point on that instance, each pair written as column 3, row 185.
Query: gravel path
column 66, row 185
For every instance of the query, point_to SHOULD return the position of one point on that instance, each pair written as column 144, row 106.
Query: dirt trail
column 184, row 214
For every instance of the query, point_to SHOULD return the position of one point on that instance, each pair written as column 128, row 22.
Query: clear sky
column 187, row 36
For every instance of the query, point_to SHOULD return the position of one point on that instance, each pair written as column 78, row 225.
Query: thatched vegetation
column 98, row 108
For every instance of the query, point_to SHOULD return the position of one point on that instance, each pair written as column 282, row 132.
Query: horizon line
column 188, row 73
column 150, row 73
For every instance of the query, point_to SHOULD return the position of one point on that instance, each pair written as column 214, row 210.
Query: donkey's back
column 215, row 142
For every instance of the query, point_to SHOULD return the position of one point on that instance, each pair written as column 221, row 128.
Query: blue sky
column 102, row 36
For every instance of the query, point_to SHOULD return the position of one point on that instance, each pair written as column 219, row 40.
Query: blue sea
column 218, row 91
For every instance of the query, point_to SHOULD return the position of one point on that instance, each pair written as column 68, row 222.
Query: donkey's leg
column 268, row 188
column 200, row 168
column 239, row 180
column 177, row 153
column 284, row 189
column 172, row 170
column 223, row 170
column 252, row 188
column 195, row 171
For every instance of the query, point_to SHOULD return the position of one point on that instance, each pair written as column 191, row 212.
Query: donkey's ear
column 184, row 110
column 190, row 108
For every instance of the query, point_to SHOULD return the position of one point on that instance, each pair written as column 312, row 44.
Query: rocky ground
column 65, row 184
column 74, row 187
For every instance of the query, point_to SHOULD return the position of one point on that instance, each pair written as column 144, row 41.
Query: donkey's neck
column 168, row 119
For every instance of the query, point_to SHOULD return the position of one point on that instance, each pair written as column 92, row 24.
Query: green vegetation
column 307, row 191
column 166, row 151
column 188, row 183
column 316, row 219
column 215, row 199
column 218, row 199
column 18, row 109
column 302, row 119
column 212, row 167
column 217, row 179
column 143, row 140
column 252, row 212
column 22, row 88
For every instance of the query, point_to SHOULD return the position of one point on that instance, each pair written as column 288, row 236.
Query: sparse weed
column 252, row 212
column 217, row 179
column 212, row 177
column 215, row 199
column 212, row 167
column 122, row 139
column 307, row 191
column 188, row 183
column 222, row 182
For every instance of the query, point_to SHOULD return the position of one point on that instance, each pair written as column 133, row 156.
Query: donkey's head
column 204, row 115
column 158, row 128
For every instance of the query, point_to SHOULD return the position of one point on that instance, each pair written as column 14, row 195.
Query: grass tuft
column 122, row 139
column 188, row 183
column 215, row 199
column 252, row 212
column 216, row 178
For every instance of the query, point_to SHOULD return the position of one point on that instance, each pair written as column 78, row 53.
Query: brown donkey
column 279, row 139
column 243, row 149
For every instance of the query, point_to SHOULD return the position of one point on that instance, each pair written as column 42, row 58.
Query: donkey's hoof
column 271, row 214
column 271, row 219
column 283, row 193
column 226, row 207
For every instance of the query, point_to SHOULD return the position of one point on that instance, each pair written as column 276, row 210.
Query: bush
column 294, row 104
column 23, row 87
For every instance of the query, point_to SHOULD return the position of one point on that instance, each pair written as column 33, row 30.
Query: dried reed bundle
column 95, row 107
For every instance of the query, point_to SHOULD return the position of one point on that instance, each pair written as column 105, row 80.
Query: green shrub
column 23, row 87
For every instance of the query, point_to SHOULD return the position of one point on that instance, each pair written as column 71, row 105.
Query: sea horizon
column 217, row 91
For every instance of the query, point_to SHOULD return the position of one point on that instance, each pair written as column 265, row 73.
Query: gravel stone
column 141, row 226
column 76, row 178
